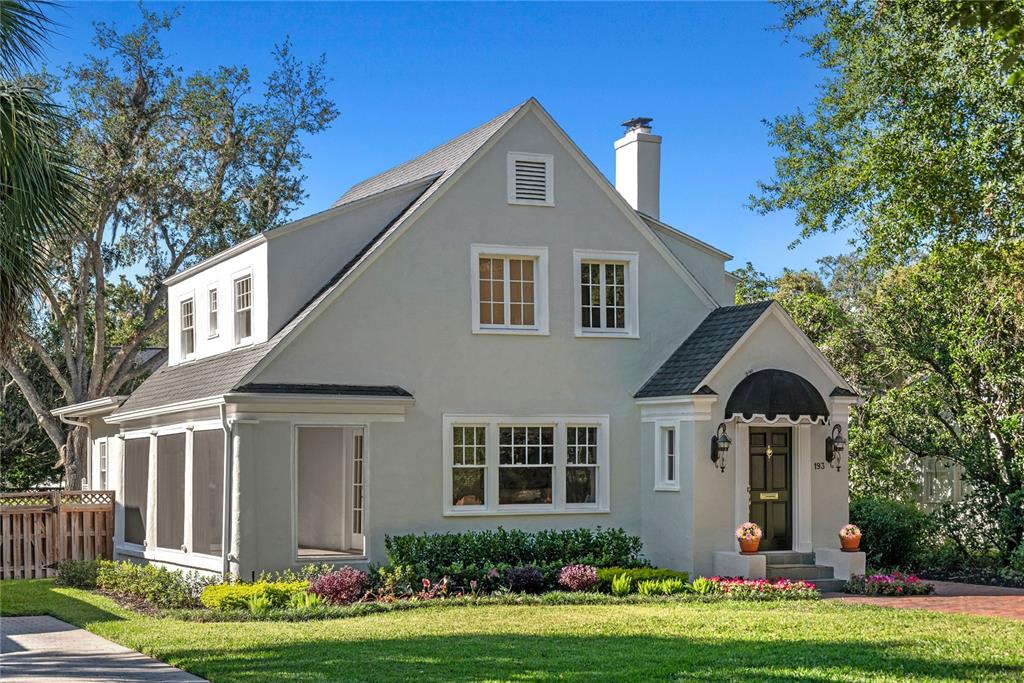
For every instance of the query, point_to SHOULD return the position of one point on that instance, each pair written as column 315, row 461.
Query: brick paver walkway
column 35, row 649
column 965, row 598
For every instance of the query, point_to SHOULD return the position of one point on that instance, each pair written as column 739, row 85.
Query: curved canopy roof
column 773, row 393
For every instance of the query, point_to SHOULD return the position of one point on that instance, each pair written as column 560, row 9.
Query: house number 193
column 819, row 465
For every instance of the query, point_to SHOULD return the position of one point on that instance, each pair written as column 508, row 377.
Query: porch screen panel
column 207, row 491
column 170, row 491
column 136, row 489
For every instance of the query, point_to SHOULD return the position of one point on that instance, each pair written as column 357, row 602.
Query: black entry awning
column 775, row 393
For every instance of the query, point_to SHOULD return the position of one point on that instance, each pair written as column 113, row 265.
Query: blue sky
column 407, row 77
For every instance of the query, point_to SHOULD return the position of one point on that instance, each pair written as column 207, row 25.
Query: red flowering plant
column 764, row 589
column 896, row 583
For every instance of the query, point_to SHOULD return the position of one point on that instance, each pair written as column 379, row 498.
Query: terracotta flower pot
column 851, row 544
column 748, row 546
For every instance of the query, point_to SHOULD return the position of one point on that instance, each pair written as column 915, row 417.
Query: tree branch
column 48, row 422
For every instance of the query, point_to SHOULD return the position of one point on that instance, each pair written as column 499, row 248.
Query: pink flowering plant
column 764, row 589
column 578, row 577
column 748, row 531
column 850, row 531
column 896, row 583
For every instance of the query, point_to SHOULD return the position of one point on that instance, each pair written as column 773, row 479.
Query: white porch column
column 802, row 531
column 741, row 466
column 151, row 502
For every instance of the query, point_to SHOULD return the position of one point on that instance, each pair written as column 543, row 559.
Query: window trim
column 661, row 480
column 631, row 260
column 558, row 505
column 212, row 315
column 236, row 278
column 540, row 287
column 549, row 178
column 188, row 297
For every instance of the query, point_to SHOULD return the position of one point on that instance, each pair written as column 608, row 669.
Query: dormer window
column 531, row 179
column 243, row 310
column 188, row 328
column 214, row 322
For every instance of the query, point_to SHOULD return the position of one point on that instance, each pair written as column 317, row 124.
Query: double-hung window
column 667, row 475
column 498, row 464
column 213, row 321
column 188, row 328
column 243, row 309
column 509, row 289
column 606, row 293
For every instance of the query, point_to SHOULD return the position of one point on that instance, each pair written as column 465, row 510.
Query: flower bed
column 763, row 589
column 896, row 583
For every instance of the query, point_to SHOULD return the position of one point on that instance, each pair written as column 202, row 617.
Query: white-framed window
column 101, row 465
column 243, row 309
column 667, row 470
column 498, row 464
column 188, row 328
column 531, row 179
column 606, row 293
column 509, row 289
column 213, row 321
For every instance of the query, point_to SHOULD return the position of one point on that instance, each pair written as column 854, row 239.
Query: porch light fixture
column 720, row 443
column 834, row 447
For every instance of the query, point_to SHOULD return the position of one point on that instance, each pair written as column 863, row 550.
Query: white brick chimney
column 638, row 166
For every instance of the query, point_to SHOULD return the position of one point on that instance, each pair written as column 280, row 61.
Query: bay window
column 506, row 465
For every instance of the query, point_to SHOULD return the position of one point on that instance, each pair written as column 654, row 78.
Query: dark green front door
column 770, row 477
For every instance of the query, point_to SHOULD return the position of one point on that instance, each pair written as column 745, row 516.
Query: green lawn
column 804, row 641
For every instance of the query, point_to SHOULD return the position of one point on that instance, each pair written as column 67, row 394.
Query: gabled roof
column 686, row 368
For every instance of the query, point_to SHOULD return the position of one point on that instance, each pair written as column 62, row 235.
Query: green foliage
column 1004, row 20
column 305, row 601
column 895, row 534
column 660, row 587
column 156, row 585
column 308, row 572
column 77, row 573
column 487, row 556
column 622, row 584
column 228, row 596
column 606, row 575
column 259, row 604
column 702, row 585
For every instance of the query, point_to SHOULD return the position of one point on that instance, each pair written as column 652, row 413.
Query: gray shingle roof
column 220, row 374
column 388, row 391
column 681, row 374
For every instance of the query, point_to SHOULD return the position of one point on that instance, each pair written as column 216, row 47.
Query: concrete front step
column 785, row 557
column 829, row 585
column 808, row 572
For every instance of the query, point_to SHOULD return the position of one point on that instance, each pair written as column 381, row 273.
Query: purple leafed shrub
column 340, row 587
column 578, row 577
column 525, row 580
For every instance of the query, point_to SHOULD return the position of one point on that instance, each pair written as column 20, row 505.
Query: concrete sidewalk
column 34, row 649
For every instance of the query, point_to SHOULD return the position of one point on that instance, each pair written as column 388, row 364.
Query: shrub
column 525, row 580
column 888, row 584
column 471, row 555
column 307, row 573
column 661, row 587
column 305, row 601
column 229, row 596
column 578, row 577
column 77, row 574
column 702, row 585
column 894, row 533
column 622, row 585
column 259, row 605
column 607, row 575
column 157, row 585
column 340, row 587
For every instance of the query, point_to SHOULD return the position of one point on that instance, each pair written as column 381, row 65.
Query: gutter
column 225, row 532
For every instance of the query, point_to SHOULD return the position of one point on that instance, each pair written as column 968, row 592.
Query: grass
column 725, row 641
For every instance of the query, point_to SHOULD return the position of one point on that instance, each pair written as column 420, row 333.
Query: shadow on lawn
column 28, row 597
column 583, row 658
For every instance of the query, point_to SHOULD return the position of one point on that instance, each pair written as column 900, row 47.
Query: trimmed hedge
column 894, row 533
column 156, row 585
column 606, row 575
column 236, row 596
column 483, row 556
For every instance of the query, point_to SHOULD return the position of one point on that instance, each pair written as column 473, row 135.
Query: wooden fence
column 39, row 529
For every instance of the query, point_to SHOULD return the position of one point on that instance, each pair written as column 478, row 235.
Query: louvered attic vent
column 530, row 179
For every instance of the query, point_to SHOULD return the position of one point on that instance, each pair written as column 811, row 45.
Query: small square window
column 509, row 290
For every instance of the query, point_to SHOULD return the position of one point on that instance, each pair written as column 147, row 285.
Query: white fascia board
column 259, row 397
column 97, row 406
column 196, row 404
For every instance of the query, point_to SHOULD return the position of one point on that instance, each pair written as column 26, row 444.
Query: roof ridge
column 440, row 158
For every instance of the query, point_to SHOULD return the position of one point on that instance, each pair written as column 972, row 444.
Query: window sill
column 522, row 512
column 589, row 334
column 242, row 342
column 667, row 487
column 526, row 202
column 536, row 332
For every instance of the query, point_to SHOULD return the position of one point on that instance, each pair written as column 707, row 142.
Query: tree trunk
column 76, row 458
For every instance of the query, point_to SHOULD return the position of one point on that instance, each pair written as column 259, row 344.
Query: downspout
column 88, row 440
column 225, row 535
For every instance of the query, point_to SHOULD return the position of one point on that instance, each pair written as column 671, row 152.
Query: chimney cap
column 638, row 122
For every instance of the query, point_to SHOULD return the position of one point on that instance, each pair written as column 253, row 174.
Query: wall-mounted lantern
column 834, row 447
column 720, row 443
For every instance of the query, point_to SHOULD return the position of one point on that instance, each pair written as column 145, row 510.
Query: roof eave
column 97, row 406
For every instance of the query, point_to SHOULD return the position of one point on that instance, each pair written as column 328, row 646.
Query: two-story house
column 491, row 334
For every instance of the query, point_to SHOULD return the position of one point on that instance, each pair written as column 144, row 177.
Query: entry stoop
column 801, row 567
